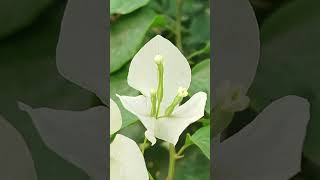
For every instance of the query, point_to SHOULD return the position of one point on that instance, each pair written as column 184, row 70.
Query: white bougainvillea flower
column 270, row 147
column 163, row 75
column 126, row 159
column 15, row 158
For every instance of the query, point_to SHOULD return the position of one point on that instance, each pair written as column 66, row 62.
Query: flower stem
column 183, row 148
column 172, row 162
column 144, row 146
column 178, row 23
column 150, row 176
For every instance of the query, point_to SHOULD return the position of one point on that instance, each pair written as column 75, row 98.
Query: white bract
column 15, row 158
column 270, row 147
column 163, row 75
column 126, row 159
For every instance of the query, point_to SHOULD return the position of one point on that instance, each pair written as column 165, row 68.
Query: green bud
column 159, row 61
column 182, row 92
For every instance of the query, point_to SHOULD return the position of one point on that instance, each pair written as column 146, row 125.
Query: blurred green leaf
column 193, row 166
column 15, row 15
column 201, row 80
column 119, row 85
column 127, row 34
column 125, row 6
column 290, row 64
column 201, row 138
column 199, row 29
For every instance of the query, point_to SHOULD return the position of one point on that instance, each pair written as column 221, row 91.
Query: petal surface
column 77, row 136
column 126, row 160
column 270, row 147
column 236, row 45
column 81, row 54
column 170, row 128
column 143, row 73
column 115, row 117
column 140, row 106
column 15, row 158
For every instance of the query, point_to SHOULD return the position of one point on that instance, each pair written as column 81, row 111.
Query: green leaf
column 201, row 138
column 193, row 166
column 15, row 15
column 125, row 6
column 290, row 64
column 119, row 85
column 201, row 80
column 199, row 35
column 127, row 34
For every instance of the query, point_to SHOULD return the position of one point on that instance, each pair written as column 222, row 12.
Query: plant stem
column 178, row 23
column 150, row 176
column 172, row 162
column 183, row 148
column 143, row 146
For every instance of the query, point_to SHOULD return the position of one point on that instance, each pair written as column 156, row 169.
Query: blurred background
column 29, row 34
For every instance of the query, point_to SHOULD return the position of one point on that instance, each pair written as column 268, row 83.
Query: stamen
column 158, row 59
column 153, row 94
column 182, row 92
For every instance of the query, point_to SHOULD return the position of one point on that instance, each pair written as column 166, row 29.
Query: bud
column 158, row 59
column 182, row 92
column 153, row 92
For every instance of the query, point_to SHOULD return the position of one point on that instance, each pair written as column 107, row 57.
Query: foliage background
column 29, row 33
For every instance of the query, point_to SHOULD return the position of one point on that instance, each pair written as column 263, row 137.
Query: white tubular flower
column 160, row 64
column 15, row 159
column 126, row 159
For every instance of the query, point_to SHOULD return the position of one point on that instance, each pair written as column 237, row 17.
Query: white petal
column 268, row 148
column 115, row 117
column 15, row 159
column 170, row 129
column 143, row 74
column 77, row 136
column 236, row 46
column 126, row 160
column 140, row 106
column 82, row 48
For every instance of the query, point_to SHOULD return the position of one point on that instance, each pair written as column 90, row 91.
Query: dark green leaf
column 125, row 6
column 119, row 85
column 127, row 34
column 201, row 80
column 201, row 138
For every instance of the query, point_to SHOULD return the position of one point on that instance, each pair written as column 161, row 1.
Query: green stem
column 144, row 146
column 183, row 148
column 200, row 51
column 172, row 162
column 150, row 176
column 178, row 23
